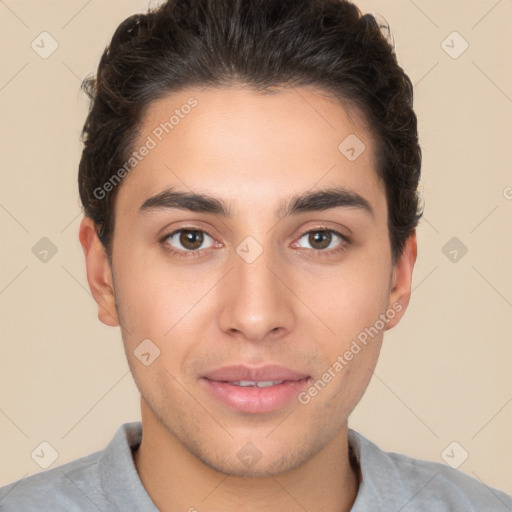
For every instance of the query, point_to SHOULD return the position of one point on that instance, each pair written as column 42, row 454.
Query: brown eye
column 186, row 240
column 191, row 239
column 322, row 239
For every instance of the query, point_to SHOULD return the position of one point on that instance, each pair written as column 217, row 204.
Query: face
column 262, row 279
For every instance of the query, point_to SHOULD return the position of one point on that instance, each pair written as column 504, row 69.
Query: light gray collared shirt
column 107, row 480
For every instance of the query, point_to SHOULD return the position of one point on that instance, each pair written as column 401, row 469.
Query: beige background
column 445, row 371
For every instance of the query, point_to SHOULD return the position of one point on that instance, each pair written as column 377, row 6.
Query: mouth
column 253, row 383
column 255, row 390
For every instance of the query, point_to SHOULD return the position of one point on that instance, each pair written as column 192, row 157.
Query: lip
column 261, row 373
column 255, row 400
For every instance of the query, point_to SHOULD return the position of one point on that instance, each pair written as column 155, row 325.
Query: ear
column 401, row 280
column 99, row 275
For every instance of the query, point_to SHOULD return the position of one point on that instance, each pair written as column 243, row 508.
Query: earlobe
column 99, row 275
column 400, row 292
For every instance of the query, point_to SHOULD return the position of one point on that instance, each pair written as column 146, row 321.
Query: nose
column 257, row 303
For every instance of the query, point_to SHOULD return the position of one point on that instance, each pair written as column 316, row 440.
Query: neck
column 176, row 480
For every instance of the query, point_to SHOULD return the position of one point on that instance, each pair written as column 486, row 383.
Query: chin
column 258, row 469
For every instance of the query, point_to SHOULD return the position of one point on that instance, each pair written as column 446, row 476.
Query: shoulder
column 93, row 482
column 71, row 486
column 419, row 485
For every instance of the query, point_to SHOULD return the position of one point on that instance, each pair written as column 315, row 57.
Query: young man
column 249, row 181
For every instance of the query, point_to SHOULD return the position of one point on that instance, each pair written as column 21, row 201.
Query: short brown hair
column 264, row 44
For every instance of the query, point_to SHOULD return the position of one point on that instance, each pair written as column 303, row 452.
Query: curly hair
column 264, row 44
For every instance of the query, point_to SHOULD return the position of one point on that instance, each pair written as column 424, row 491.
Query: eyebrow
column 317, row 200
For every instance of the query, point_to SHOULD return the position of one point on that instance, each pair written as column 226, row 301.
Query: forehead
column 246, row 147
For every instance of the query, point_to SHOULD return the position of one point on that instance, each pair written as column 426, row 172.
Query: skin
column 294, row 305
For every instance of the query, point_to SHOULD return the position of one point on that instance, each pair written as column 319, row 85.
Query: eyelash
column 194, row 254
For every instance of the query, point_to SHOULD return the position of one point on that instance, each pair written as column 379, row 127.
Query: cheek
column 164, row 304
column 348, row 298
column 159, row 334
column 153, row 295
